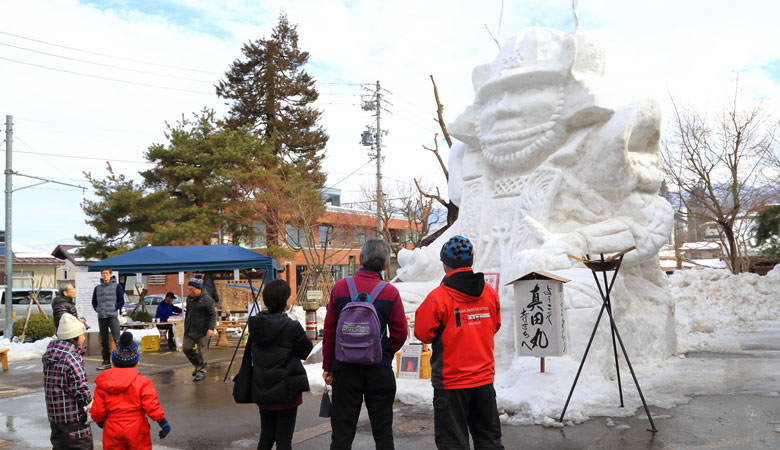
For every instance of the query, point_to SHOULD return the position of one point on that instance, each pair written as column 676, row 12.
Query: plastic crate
column 150, row 344
column 425, row 364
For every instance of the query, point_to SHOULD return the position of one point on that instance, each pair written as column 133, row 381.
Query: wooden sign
column 314, row 295
column 541, row 326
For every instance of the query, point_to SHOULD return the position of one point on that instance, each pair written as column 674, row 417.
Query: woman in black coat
column 278, row 344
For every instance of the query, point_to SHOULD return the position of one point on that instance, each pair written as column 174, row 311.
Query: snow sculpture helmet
column 538, row 90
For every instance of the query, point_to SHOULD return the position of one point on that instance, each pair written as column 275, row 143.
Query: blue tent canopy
column 196, row 258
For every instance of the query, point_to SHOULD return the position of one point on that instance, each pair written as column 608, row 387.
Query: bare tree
column 451, row 208
column 718, row 167
column 419, row 213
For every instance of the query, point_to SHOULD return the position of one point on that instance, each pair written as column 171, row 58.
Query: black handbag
column 242, row 382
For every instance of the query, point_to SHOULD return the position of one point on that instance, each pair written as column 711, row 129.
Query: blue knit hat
column 196, row 281
column 457, row 252
column 126, row 352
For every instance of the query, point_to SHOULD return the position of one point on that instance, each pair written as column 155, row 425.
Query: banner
column 541, row 327
column 85, row 285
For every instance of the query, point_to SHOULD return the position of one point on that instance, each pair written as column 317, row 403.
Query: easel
column 603, row 265
column 33, row 299
column 250, row 274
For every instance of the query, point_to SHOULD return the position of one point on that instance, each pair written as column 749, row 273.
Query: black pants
column 106, row 325
column 77, row 436
column 376, row 385
column 277, row 426
column 197, row 356
column 456, row 412
column 169, row 330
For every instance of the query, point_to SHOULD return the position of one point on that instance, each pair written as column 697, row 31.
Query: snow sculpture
column 550, row 163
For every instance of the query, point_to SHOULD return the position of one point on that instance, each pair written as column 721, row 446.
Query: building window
column 325, row 235
column 259, row 234
column 296, row 238
column 156, row 279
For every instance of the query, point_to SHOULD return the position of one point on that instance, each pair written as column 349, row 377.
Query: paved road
column 204, row 416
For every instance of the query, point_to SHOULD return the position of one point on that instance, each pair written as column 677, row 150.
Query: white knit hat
column 70, row 327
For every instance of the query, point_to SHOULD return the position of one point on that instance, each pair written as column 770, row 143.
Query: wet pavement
column 204, row 416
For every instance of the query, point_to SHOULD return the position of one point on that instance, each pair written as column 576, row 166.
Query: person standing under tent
column 107, row 298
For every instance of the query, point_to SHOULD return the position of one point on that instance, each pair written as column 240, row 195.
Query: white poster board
column 541, row 326
column 85, row 285
column 409, row 366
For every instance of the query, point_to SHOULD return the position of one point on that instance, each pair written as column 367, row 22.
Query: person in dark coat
column 65, row 303
column 107, row 299
column 278, row 344
column 200, row 323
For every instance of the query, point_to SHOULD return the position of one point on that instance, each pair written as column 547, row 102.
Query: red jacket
column 123, row 399
column 388, row 307
column 460, row 318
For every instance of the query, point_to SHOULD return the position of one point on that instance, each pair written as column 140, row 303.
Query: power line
column 106, row 65
column 109, row 56
column 82, row 157
column 107, row 78
column 408, row 101
column 16, row 136
column 69, row 125
column 350, row 174
column 334, row 82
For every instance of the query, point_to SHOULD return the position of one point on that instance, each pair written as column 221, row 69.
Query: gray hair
column 375, row 254
column 64, row 287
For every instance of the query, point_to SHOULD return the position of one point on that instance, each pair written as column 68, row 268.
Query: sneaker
column 105, row 365
column 194, row 371
column 199, row 377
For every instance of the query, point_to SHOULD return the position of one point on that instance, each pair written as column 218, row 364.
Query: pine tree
column 271, row 93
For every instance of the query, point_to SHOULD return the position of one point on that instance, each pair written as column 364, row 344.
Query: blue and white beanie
column 457, row 252
column 126, row 352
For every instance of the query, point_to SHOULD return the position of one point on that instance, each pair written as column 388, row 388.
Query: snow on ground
column 716, row 312
column 21, row 352
column 712, row 305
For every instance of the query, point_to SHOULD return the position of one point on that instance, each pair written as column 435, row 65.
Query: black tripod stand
column 602, row 265
column 255, row 294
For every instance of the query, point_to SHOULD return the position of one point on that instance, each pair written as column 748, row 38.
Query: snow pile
column 712, row 303
column 18, row 351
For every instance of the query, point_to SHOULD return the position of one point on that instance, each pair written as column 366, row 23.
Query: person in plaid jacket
column 65, row 385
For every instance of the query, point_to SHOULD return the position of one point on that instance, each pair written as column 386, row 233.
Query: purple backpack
column 358, row 338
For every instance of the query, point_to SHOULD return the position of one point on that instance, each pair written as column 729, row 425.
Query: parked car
column 21, row 299
column 151, row 302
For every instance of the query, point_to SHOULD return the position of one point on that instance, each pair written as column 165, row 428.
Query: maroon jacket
column 388, row 307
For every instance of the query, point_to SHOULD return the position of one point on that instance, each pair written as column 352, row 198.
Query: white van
column 21, row 299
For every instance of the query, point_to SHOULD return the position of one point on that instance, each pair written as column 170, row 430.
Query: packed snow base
column 715, row 309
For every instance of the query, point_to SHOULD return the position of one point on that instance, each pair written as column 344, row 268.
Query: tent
column 195, row 258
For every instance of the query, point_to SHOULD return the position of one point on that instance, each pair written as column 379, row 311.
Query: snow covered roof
column 68, row 251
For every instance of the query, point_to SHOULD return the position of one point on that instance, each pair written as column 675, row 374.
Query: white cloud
column 693, row 49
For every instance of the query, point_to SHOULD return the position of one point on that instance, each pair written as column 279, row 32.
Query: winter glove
column 100, row 424
column 165, row 428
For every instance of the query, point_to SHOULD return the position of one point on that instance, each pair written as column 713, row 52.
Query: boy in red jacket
column 123, row 399
column 460, row 318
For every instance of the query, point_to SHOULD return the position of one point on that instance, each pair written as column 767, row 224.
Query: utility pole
column 9, row 190
column 9, row 307
column 378, row 158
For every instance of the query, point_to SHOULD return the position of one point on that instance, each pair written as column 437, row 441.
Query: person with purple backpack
column 365, row 326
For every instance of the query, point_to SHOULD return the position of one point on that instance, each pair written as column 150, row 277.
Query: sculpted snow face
column 550, row 165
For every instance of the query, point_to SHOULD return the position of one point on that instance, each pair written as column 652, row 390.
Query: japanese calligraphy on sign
column 541, row 328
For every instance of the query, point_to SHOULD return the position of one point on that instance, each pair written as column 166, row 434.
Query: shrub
column 141, row 316
column 39, row 326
